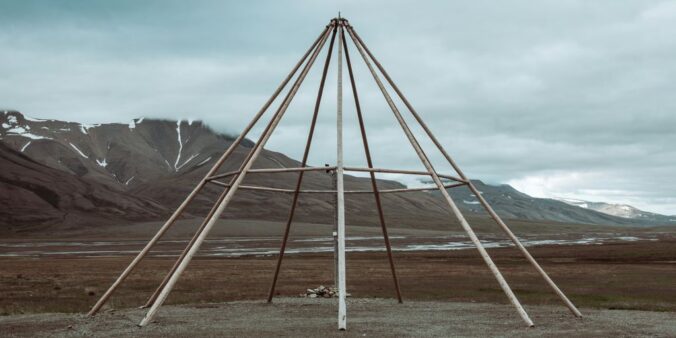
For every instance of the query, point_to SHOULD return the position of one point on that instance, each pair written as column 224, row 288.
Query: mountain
column 513, row 204
column 35, row 194
column 161, row 161
column 621, row 210
column 68, row 174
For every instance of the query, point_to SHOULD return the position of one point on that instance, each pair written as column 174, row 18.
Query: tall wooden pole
column 454, row 208
column 340, row 195
column 472, row 187
column 177, row 213
column 231, row 192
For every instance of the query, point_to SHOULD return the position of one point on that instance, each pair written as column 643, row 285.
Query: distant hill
column 511, row 203
column 621, row 210
column 69, row 174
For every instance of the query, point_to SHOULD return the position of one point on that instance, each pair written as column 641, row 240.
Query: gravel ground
column 299, row 317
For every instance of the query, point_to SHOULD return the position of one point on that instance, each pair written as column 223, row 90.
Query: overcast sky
column 572, row 99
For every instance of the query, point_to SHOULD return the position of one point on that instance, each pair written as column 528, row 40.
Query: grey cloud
column 560, row 98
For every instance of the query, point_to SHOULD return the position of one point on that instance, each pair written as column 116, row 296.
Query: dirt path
column 297, row 317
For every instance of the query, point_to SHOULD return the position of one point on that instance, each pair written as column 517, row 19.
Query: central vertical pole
column 334, row 186
column 340, row 193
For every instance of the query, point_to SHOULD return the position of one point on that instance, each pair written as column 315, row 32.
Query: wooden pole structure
column 369, row 161
column 306, row 153
column 337, row 27
column 177, row 213
column 428, row 165
column 231, row 192
column 471, row 186
column 340, row 196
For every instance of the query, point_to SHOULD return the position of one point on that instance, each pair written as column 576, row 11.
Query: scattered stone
column 321, row 292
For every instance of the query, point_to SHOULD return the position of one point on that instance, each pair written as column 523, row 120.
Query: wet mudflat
column 266, row 246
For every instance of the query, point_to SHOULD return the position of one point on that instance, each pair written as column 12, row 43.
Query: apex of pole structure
column 338, row 27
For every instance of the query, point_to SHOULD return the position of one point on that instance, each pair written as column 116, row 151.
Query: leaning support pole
column 153, row 297
column 474, row 190
column 233, row 189
column 177, row 213
column 306, row 152
column 220, row 198
column 463, row 222
column 340, row 196
column 374, row 185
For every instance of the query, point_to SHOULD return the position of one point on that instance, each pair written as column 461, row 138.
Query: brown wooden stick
column 306, row 153
column 374, row 185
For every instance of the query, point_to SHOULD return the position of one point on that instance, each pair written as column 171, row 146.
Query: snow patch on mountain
column 85, row 127
column 103, row 163
column 619, row 210
column 134, row 122
column 25, row 146
column 32, row 119
column 14, row 129
column 186, row 162
column 205, row 161
column 21, row 131
column 78, row 150
column 180, row 144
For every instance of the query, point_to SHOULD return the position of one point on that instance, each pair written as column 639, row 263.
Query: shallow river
column 264, row 246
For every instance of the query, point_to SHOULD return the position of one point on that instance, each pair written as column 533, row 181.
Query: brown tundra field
column 623, row 287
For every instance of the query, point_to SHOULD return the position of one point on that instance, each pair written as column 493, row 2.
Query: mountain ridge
column 159, row 161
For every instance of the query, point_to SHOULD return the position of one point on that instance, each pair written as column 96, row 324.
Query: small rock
column 312, row 295
column 70, row 327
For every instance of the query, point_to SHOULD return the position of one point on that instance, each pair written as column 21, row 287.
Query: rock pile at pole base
column 322, row 292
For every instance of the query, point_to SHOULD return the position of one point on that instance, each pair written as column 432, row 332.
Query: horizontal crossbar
column 353, row 169
column 270, row 171
column 318, row 191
